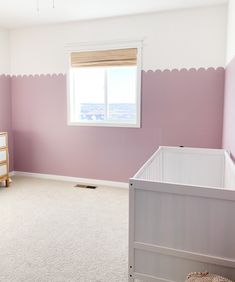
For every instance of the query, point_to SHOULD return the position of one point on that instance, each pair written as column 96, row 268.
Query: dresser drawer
column 3, row 140
column 3, row 155
column 3, row 169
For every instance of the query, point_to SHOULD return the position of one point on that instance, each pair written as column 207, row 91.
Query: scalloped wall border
column 38, row 75
column 143, row 71
column 5, row 75
column 185, row 70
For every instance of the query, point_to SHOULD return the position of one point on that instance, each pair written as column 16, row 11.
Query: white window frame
column 110, row 45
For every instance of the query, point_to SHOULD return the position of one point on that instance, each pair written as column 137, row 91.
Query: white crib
column 182, row 215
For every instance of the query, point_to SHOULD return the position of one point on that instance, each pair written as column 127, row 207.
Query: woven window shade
column 104, row 58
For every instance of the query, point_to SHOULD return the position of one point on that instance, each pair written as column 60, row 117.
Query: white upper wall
column 4, row 52
column 231, row 32
column 176, row 39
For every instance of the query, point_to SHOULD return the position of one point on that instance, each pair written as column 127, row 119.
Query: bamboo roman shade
column 104, row 58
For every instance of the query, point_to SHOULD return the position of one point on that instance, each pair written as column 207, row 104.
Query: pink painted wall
column 178, row 108
column 5, row 113
column 229, row 110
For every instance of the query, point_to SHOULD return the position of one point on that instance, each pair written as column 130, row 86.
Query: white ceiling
column 23, row 13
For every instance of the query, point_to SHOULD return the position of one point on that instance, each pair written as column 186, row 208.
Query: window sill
column 104, row 124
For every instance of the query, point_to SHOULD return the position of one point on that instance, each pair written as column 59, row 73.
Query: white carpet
column 51, row 231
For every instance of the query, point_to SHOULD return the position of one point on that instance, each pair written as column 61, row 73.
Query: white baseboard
column 11, row 173
column 85, row 181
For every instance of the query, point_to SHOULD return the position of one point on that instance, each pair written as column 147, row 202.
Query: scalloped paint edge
column 3, row 75
column 42, row 75
column 32, row 75
column 185, row 70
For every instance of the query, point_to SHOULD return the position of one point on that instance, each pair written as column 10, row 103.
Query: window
column 104, row 86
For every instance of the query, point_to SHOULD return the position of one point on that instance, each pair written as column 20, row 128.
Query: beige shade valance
column 104, row 58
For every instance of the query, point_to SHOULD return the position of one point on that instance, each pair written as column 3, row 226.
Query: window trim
column 106, row 45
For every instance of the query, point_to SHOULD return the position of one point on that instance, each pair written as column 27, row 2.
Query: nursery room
column 117, row 141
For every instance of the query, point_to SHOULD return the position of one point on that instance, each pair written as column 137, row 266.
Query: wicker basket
column 205, row 277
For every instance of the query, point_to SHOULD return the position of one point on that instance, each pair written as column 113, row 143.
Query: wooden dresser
column 4, row 164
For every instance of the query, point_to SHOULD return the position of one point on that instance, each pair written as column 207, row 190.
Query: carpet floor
column 51, row 231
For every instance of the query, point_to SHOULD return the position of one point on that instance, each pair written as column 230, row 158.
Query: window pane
column 89, row 94
column 104, row 94
column 121, row 94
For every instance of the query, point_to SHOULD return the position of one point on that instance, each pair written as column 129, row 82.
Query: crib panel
column 229, row 178
column 154, row 169
column 171, row 268
column 185, row 222
column 201, row 167
column 192, row 168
